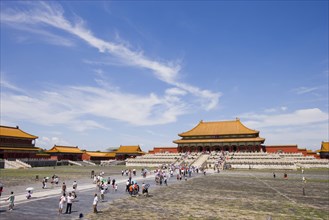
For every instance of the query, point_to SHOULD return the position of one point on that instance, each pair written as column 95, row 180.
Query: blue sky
column 104, row 74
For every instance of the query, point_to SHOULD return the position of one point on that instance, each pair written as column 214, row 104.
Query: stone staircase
column 10, row 165
column 89, row 162
column 16, row 164
column 200, row 161
column 74, row 163
column 23, row 164
column 109, row 162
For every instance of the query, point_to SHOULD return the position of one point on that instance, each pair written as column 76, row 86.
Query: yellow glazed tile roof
column 110, row 154
column 258, row 139
column 100, row 154
column 291, row 145
column 6, row 131
column 20, row 148
column 65, row 149
column 129, row 149
column 219, row 128
column 324, row 147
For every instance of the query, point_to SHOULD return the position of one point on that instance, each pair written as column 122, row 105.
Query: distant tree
column 41, row 151
column 110, row 149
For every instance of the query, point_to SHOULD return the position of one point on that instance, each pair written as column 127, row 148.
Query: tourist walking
column 56, row 179
column 1, row 189
column 129, row 176
column 95, row 202
column 127, row 185
column 131, row 189
column 75, row 185
column 11, row 199
column 102, row 193
column 69, row 201
column 62, row 200
column 44, row 183
column 63, row 187
column 113, row 183
column 29, row 194
column 74, row 193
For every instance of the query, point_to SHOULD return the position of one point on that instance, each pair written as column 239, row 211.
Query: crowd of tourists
column 106, row 185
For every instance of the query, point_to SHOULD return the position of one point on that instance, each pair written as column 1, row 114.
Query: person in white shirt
column 29, row 194
column 102, row 193
column 127, row 185
column 69, row 201
column 95, row 202
column 75, row 185
column 62, row 200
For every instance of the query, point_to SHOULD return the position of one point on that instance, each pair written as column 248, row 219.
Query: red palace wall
column 165, row 149
column 282, row 148
column 303, row 151
column 85, row 156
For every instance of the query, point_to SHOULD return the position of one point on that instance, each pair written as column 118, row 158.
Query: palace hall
column 220, row 135
column 15, row 143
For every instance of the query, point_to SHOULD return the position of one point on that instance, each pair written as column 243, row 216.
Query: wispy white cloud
column 175, row 91
column 283, row 108
column 71, row 106
column 155, row 133
column 7, row 85
column 41, row 15
column 272, row 110
column 304, row 127
column 208, row 99
column 305, row 136
column 296, row 118
column 303, row 90
column 269, row 110
column 48, row 142
column 45, row 36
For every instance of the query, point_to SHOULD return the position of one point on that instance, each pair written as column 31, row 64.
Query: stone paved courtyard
column 228, row 195
column 231, row 195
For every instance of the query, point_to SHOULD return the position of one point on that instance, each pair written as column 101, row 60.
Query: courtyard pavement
column 44, row 202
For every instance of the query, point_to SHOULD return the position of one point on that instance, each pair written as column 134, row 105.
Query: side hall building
column 282, row 149
column 220, row 135
column 17, row 144
column 98, row 155
column 157, row 150
column 324, row 152
column 65, row 153
column 125, row 152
